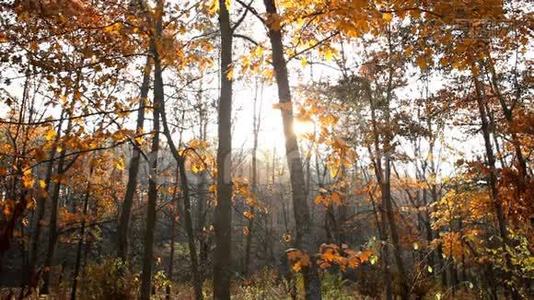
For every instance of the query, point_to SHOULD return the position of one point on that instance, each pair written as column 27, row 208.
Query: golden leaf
column 387, row 17
column 27, row 179
column 50, row 134
column 119, row 164
column 248, row 214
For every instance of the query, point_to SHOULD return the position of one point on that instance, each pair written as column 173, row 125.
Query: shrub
column 109, row 279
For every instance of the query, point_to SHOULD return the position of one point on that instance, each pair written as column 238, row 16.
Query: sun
column 303, row 127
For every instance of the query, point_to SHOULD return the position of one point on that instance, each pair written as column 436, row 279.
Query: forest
column 266, row 149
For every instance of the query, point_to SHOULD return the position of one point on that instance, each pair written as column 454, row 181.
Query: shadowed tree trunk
column 133, row 170
column 223, row 210
column 174, row 214
column 41, row 205
column 52, row 231
column 304, row 236
column 492, row 181
column 184, row 183
column 146, row 276
column 508, row 115
column 52, row 223
column 79, row 249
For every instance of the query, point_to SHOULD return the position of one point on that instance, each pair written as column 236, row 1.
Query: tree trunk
column 133, row 170
column 223, row 210
column 170, row 271
column 304, row 236
column 508, row 115
column 52, row 223
column 77, row 265
column 256, row 127
column 197, row 282
column 41, row 206
column 492, row 181
column 146, row 276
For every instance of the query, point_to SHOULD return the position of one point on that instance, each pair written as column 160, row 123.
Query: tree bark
column 52, row 223
column 223, row 209
column 81, row 242
column 41, row 206
column 492, row 181
column 146, row 276
column 508, row 115
column 304, row 236
column 133, row 170
column 170, row 271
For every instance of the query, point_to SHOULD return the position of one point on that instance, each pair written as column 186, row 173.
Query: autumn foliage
column 267, row 149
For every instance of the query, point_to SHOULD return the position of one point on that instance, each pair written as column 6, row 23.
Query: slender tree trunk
column 304, row 236
column 81, row 242
column 41, row 206
column 52, row 223
column 170, row 271
column 492, row 181
column 394, row 232
column 223, row 210
column 381, row 221
column 133, row 171
column 146, row 276
column 508, row 115
column 250, row 226
column 441, row 262
column 184, row 183
column 383, row 176
column 197, row 282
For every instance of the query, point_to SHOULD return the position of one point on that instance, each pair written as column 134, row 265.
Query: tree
column 223, row 209
column 148, row 242
column 133, row 169
column 304, row 239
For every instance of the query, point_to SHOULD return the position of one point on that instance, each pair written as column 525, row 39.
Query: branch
column 241, row 19
column 313, row 46
column 71, row 118
column 247, row 38
column 252, row 11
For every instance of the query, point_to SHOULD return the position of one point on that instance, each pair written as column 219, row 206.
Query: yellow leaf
column 258, row 51
column 304, row 61
column 42, row 184
column 114, row 28
column 387, row 17
column 27, row 179
column 329, row 54
column 119, row 164
column 319, row 199
column 230, row 74
column 50, row 134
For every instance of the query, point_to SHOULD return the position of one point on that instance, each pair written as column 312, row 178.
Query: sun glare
column 303, row 128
